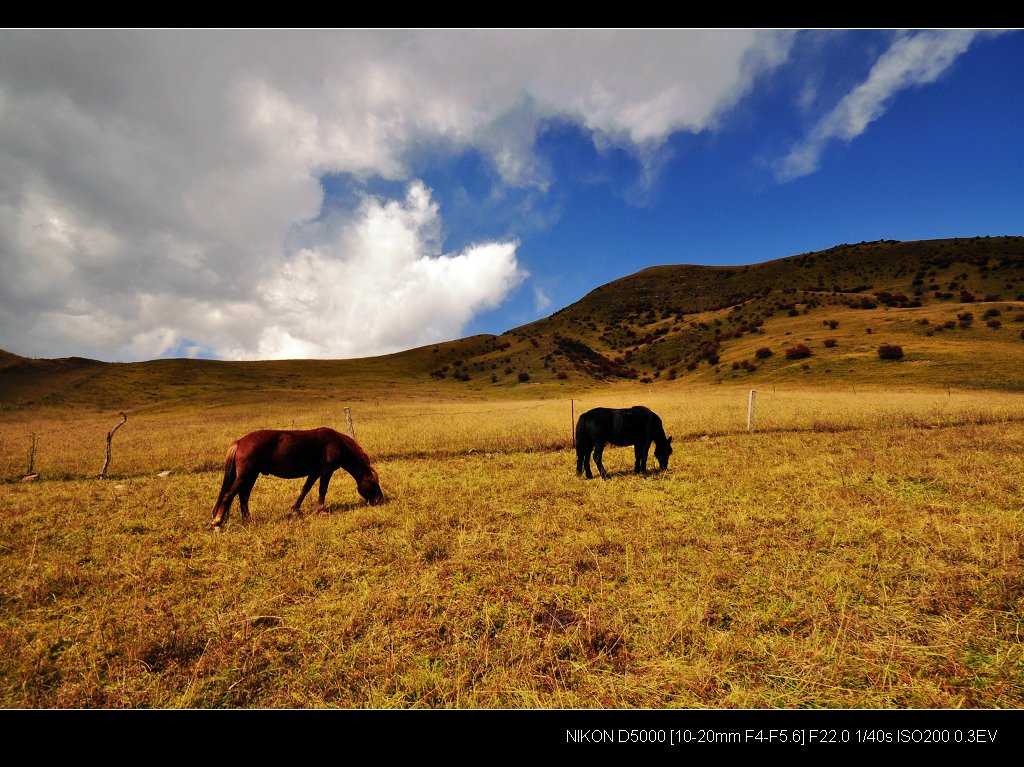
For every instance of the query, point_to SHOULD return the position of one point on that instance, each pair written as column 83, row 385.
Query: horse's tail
column 229, row 468
column 229, row 480
column 581, row 436
column 584, row 444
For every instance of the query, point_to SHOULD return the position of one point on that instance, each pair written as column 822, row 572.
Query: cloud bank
column 161, row 191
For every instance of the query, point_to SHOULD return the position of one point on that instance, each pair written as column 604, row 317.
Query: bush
column 523, row 377
column 829, row 343
column 562, row 375
column 890, row 352
column 798, row 352
column 763, row 353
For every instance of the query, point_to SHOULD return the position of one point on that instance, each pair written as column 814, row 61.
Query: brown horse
column 313, row 454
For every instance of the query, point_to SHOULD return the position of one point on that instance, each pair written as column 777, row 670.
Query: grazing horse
column 313, row 454
column 636, row 426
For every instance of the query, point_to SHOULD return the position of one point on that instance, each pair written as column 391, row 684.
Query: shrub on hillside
column 829, row 343
column 523, row 377
column 890, row 352
column 798, row 352
column 763, row 353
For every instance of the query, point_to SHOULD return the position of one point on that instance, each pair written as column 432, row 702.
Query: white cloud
column 377, row 286
column 150, row 179
column 912, row 59
column 541, row 300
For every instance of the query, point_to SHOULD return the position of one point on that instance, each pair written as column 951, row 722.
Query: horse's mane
column 356, row 450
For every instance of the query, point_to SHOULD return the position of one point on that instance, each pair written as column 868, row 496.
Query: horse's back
column 619, row 426
column 289, row 453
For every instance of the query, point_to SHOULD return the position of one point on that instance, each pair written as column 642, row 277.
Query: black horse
column 636, row 426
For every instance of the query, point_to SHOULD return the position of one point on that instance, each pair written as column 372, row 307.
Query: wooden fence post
column 750, row 411
column 32, row 454
column 110, row 437
column 348, row 422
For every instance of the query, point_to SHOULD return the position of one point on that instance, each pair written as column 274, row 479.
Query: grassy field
column 862, row 548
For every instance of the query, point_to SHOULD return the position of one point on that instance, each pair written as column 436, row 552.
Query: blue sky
column 252, row 195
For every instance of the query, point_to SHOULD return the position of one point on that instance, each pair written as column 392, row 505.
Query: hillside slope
column 955, row 307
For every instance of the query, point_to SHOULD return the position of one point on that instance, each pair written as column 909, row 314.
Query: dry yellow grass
column 858, row 550
column 183, row 439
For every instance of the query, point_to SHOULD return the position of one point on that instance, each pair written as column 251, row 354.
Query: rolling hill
column 955, row 308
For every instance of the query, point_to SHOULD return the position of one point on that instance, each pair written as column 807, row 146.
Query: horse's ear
column 670, row 440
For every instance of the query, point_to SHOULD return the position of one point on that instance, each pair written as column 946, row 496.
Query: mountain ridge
column 956, row 307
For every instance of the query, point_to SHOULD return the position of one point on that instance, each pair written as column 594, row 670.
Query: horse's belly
column 288, row 473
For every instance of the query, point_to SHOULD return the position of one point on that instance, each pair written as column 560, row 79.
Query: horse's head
column 662, row 450
column 369, row 488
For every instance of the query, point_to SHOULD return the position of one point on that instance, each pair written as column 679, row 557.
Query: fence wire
column 192, row 444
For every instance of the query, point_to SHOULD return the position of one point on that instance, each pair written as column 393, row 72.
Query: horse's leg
column 325, row 480
column 306, row 487
column 598, row 452
column 243, row 497
column 641, row 449
column 583, row 459
column 223, row 507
